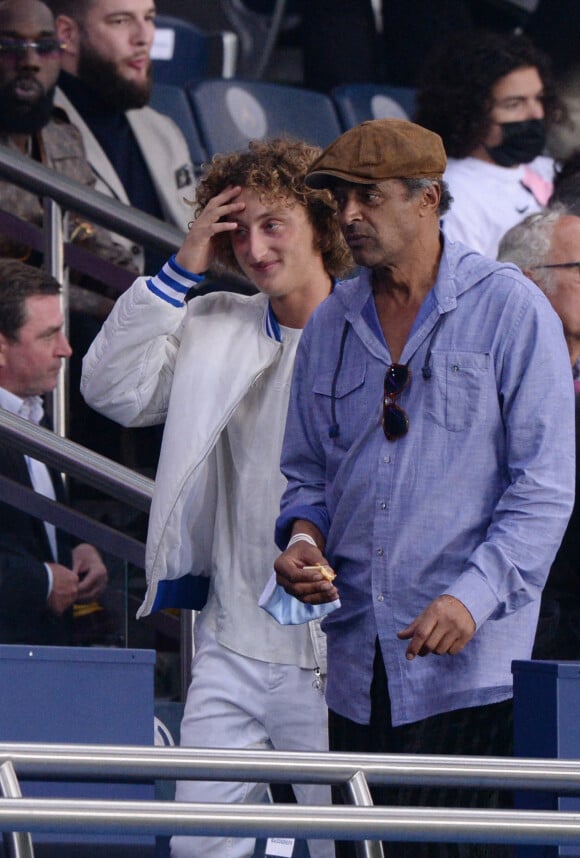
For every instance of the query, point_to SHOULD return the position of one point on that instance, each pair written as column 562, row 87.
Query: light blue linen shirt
column 472, row 502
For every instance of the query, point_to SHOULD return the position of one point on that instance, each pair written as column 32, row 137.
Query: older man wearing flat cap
column 429, row 454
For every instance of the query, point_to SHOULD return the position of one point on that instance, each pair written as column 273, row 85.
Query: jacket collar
column 460, row 269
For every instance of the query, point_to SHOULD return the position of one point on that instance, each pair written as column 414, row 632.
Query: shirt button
column 383, row 505
column 387, row 460
column 380, row 552
column 380, row 598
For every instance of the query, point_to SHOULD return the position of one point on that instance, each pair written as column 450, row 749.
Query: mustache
column 29, row 79
column 25, row 116
column 352, row 231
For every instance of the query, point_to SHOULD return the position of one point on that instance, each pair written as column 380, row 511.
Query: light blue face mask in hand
column 289, row 611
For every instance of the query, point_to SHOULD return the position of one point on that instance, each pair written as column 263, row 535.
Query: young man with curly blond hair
column 217, row 370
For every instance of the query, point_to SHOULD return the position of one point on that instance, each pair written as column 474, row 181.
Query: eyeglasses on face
column 11, row 47
column 395, row 419
column 558, row 265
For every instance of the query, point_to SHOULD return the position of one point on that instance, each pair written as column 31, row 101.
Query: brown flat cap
column 377, row 150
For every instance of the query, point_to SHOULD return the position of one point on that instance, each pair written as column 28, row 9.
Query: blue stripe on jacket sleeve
column 179, row 269
column 173, row 283
column 189, row 592
column 170, row 281
column 173, row 301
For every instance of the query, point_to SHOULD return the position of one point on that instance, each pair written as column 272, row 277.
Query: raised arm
column 128, row 370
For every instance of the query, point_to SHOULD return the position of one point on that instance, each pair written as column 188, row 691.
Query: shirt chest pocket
column 343, row 400
column 456, row 396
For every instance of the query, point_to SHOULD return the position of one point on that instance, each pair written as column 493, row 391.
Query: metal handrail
column 77, row 461
column 71, row 195
column 417, row 824
column 18, row 844
column 73, row 522
column 135, row 762
column 61, row 195
column 359, row 822
column 117, row 280
column 356, row 791
column 122, row 483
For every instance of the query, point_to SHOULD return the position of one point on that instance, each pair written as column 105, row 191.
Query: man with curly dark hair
column 491, row 97
column 217, row 370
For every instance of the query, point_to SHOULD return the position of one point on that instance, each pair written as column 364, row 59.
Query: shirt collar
column 272, row 325
column 86, row 100
column 30, row 408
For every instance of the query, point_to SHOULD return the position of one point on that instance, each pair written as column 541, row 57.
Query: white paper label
column 163, row 45
column 281, row 846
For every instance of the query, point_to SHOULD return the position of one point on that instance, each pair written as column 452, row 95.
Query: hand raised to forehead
column 196, row 252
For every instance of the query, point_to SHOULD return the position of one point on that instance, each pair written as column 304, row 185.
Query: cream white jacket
column 139, row 372
column 166, row 154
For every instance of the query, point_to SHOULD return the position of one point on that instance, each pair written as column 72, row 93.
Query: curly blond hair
column 276, row 169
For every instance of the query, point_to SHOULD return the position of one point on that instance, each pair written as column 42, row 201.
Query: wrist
column 187, row 270
column 302, row 537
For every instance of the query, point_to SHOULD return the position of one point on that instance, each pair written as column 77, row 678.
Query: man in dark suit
column 41, row 575
column 546, row 247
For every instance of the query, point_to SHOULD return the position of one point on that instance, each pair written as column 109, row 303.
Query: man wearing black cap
column 429, row 455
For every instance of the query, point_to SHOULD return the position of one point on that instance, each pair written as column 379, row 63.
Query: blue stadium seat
column 259, row 23
column 172, row 100
column 182, row 51
column 357, row 102
column 230, row 113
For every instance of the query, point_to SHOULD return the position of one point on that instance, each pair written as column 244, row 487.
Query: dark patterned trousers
column 479, row 730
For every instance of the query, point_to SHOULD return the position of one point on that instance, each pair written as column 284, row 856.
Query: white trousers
column 239, row 702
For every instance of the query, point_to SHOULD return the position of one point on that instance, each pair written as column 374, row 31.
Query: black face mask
column 522, row 142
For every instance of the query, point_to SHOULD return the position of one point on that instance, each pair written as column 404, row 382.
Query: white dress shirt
column 31, row 408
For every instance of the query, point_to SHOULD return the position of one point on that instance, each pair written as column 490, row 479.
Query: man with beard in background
column 139, row 155
column 29, row 124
